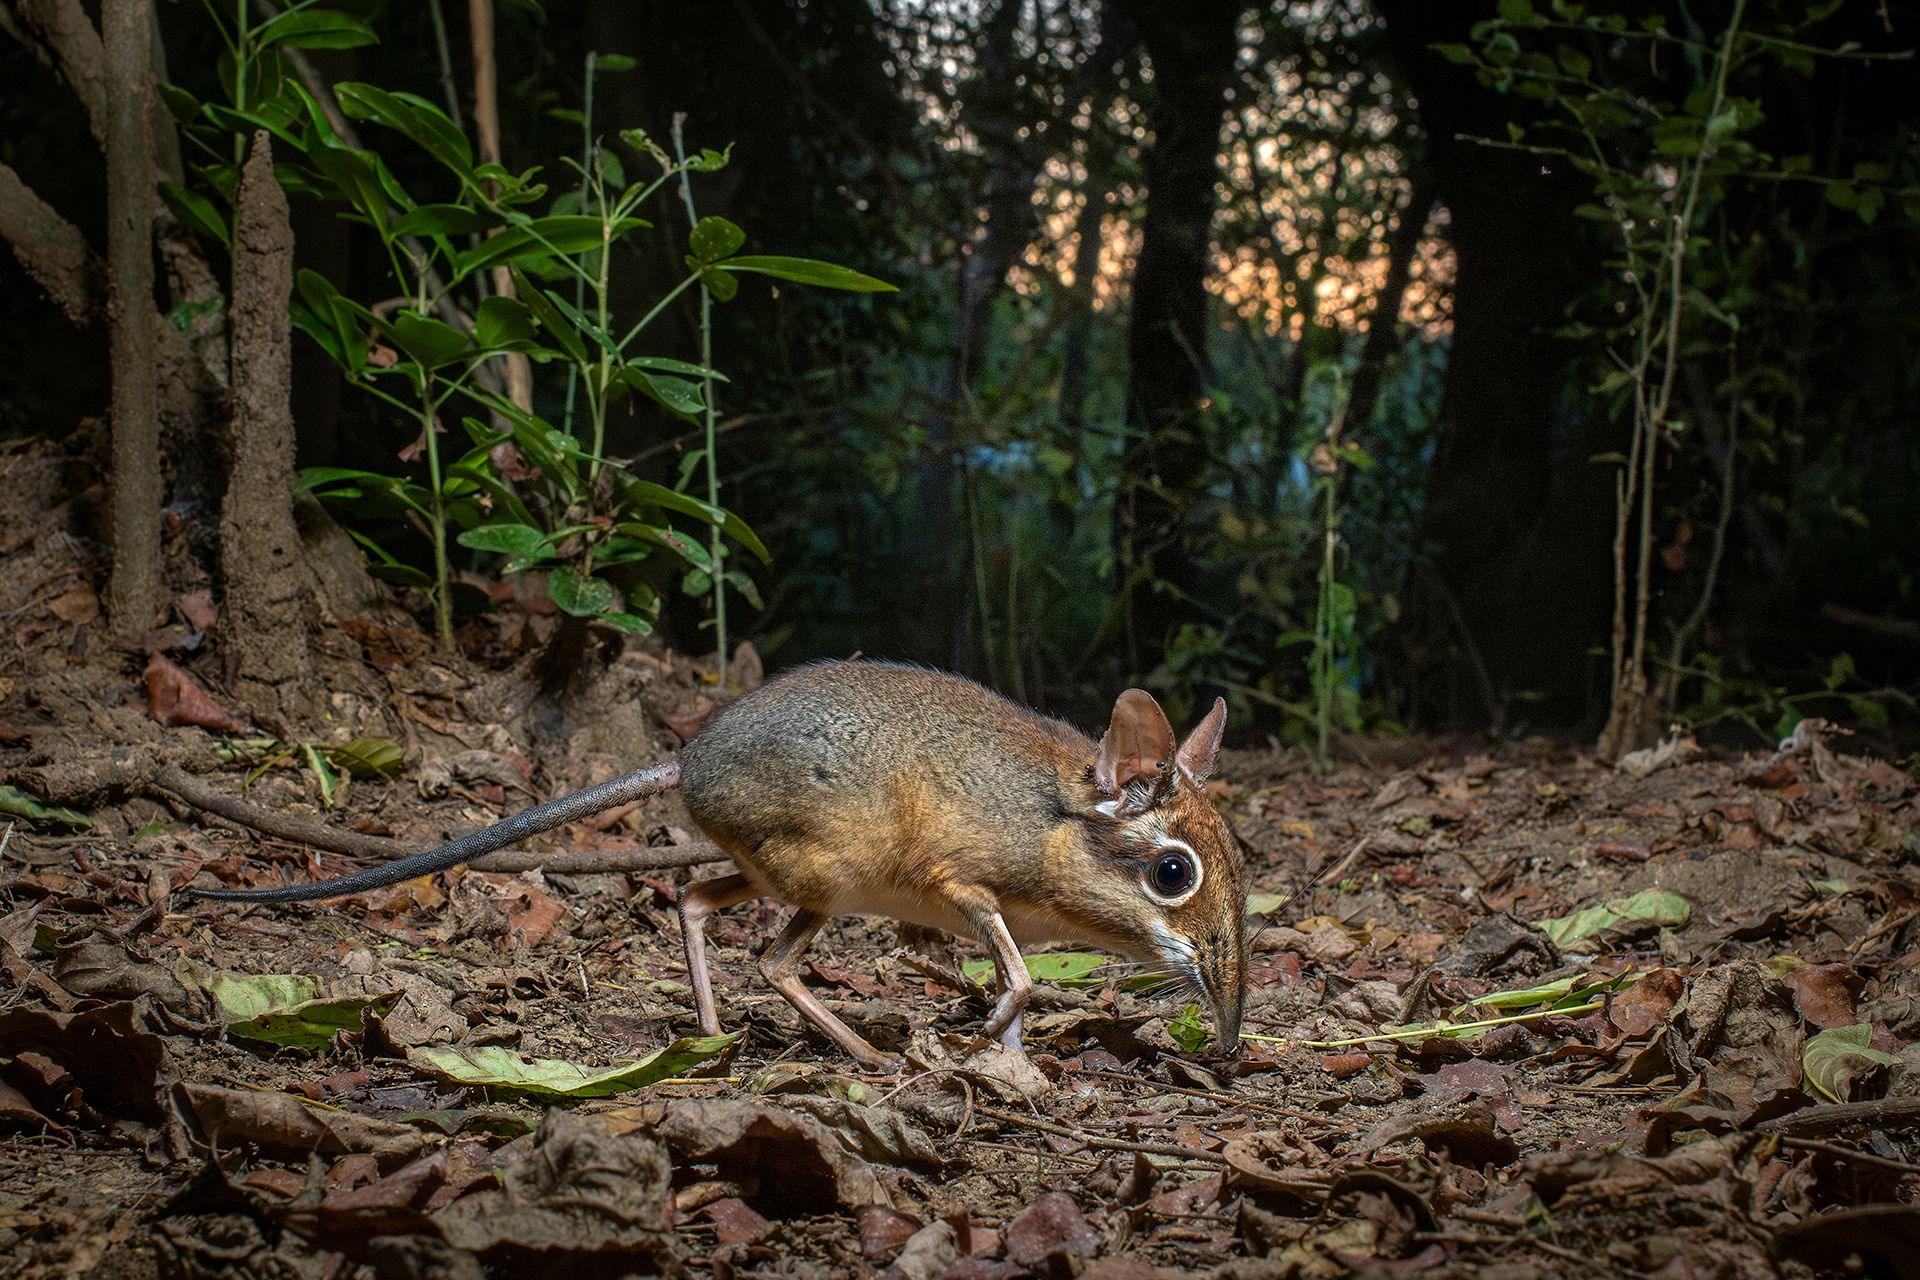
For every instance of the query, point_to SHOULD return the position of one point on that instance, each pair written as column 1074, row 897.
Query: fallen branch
column 1845, row 1117
column 181, row 785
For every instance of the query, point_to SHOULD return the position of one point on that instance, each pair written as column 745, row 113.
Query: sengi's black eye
column 1172, row 873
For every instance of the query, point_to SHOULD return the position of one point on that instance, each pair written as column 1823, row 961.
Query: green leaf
column 613, row 62
column 676, row 395
column 581, row 597
column 664, row 364
column 356, row 175
column 502, row 322
column 1516, row 10
column 316, row 29
column 1649, row 906
column 714, row 239
column 506, row 539
column 373, row 757
column 559, row 329
column 490, row 1066
column 1838, row 1058
column 673, row 540
column 250, row 995
column 431, row 343
column 444, row 220
column 631, row 623
column 314, row 1024
column 1065, row 968
column 21, row 805
column 646, row 493
column 1261, row 904
column 718, row 283
column 426, row 125
column 287, row 1009
column 1189, row 1029
column 195, row 210
column 568, row 233
column 809, row 271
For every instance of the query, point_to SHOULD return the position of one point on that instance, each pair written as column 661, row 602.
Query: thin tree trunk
column 486, row 126
column 1383, row 329
column 133, row 590
column 263, row 620
column 1192, row 48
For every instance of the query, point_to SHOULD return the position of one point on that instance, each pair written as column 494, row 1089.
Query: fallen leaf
column 1647, row 1003
column 77, row 607
column 21, row 805
column 742, row 1139
column 1839, row 1058
column 1825, row 993
column 497, row 1068
column 1648, row 908
column 580, row 1196
column 1063, row 968
column 174, row 698
column 735, row 1222
column 282, row 1123
column 884, row 1232
column 1050, row 1233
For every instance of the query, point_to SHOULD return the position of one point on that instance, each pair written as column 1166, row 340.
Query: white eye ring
column 1169, row 845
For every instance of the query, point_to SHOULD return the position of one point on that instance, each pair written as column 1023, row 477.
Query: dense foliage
column 1357, row 360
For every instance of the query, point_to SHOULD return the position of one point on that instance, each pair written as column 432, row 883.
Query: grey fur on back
column 852, row 736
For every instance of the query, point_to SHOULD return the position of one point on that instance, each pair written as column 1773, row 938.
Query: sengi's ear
column 1203, row 744
column 1139, row 743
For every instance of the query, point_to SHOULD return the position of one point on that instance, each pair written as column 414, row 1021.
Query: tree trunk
column 1192, row 49
column 1517, row 525
column 1383, row 329
column 486, row 128
column 133, row 590
column 263, row 619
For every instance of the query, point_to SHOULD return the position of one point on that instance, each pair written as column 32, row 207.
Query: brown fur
column 869, row 788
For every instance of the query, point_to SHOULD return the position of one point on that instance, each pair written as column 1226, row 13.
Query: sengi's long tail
column 554, row 813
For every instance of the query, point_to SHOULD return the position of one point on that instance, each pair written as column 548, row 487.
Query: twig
column 1212, row 1095
column 1839, row 1152
column 1846, row 1117
column 1435, row 1029
column 1107, row 1144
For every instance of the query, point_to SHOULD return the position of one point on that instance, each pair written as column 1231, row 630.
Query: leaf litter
column 1548, row 1017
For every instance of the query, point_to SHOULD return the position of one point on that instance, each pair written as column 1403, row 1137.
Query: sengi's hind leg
column 780, row 962
column 697, row 902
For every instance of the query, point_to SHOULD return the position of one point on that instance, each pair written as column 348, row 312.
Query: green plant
column 544, row 497
column 1654, row 108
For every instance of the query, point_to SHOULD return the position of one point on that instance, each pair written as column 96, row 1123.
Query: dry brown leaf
column 174, row 698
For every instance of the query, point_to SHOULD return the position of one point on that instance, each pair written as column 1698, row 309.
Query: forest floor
column 1710, row 1078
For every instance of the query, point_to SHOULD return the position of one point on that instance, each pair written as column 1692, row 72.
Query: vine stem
column 716, row 550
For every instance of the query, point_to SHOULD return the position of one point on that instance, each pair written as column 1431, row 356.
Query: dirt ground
column 1710, row 1078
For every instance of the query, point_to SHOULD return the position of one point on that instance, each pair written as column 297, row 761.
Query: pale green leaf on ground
column 369, row 757
column 1837, row 1058
column 1649, row 906
column 21, row 805
column 287, row 1008
column 313, row 1024
column 492, row 1067
column 1263, row 904
column 251, row 995
column 1063, row 968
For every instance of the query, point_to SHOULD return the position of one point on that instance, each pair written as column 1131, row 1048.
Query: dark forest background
column 1297, row 352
